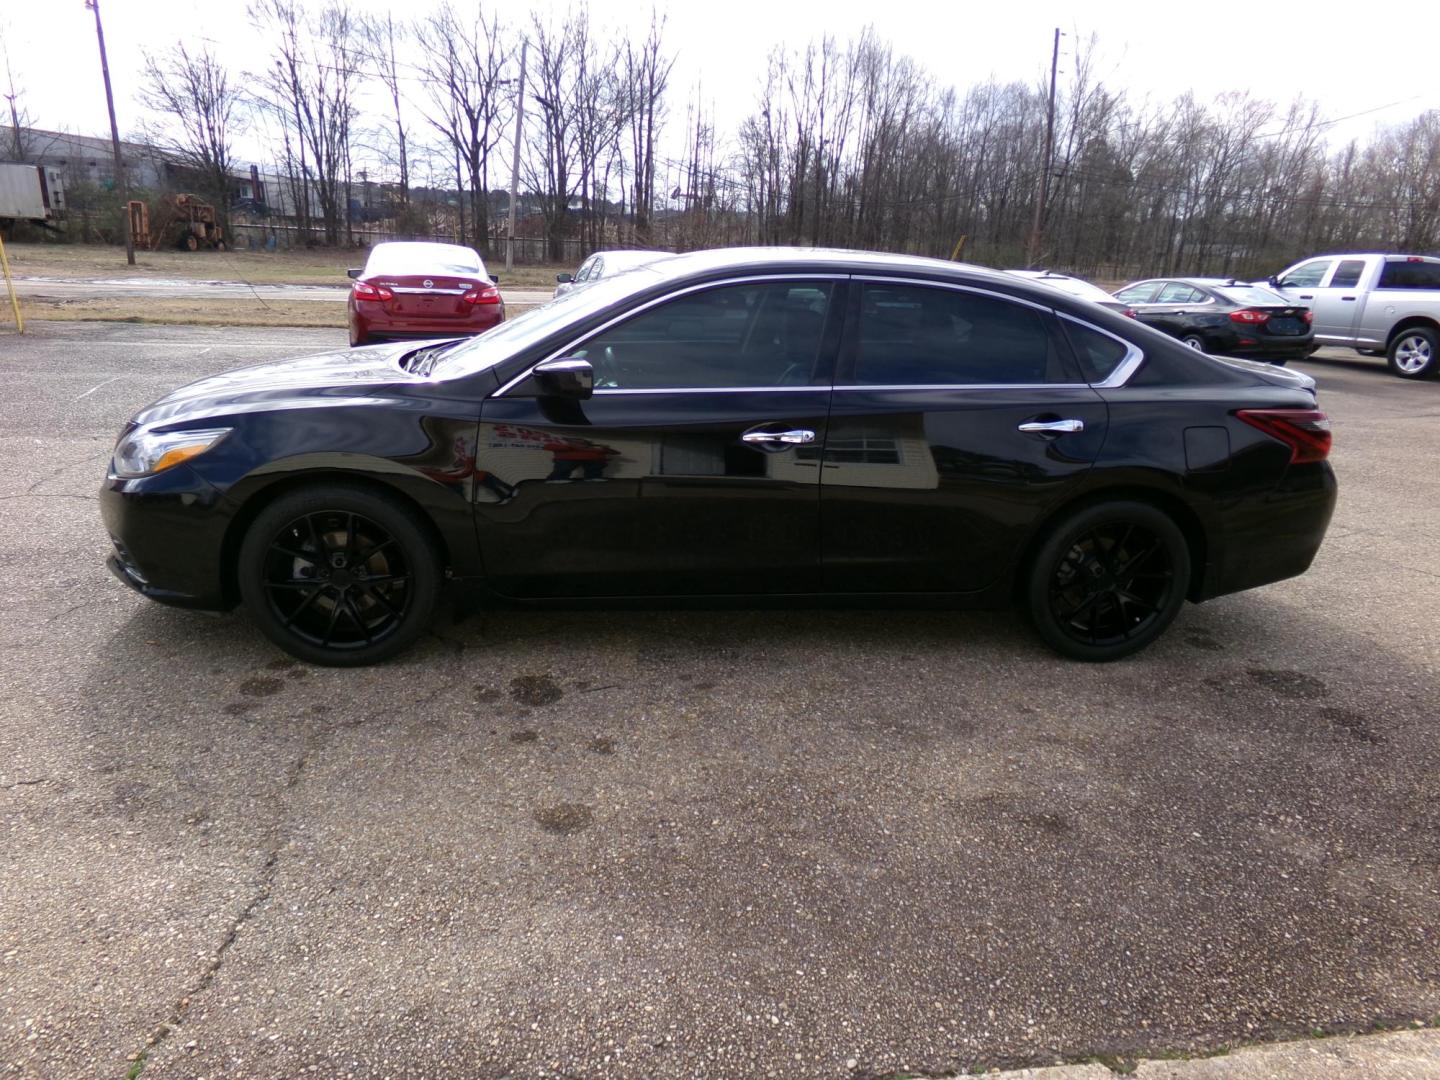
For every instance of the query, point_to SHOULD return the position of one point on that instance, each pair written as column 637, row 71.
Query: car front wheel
column 1108, row 580
column 339, row 575
column 1415, row 353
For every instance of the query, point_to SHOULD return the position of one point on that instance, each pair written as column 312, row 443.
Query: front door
column 1336, row 305
column 959, row 420
column 687, row 472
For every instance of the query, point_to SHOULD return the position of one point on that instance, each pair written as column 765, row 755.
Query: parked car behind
column 744, row 425
column 422, row 290
column 1075, row 286
column 605, row 264
column 1379, row 305
column 1225, row 316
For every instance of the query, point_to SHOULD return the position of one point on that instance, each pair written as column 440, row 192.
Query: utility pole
column 515, row 164
column 1037, row 226
column 94, row 5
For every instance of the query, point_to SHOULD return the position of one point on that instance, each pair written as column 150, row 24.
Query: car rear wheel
column 339, row 575
column 1108, row 581
column 1194, row 341
column 1415, row 353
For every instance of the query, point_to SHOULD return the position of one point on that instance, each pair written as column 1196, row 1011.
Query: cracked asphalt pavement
column 662, row 844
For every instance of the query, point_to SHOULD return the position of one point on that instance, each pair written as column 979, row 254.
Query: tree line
column 848, row 144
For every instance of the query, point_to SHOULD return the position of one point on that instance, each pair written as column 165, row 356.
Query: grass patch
column 317, row 266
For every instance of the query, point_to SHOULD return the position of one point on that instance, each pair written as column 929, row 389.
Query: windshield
column 423, row 259
column 1250, row 295
column 518, row 334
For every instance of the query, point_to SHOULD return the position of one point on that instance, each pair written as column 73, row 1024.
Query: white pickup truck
column 1380, row 305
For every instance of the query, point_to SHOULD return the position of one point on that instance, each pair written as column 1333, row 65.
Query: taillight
column 1130, row 313
column 365, row 291
column 1308, row 316
column 1249, row 315
column 490, row 294
column 1305, row 431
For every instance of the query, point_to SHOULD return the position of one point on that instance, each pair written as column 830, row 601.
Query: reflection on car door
column 959, row 419
column 683, row 474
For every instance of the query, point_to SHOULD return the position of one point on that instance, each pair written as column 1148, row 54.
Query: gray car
column 605, row 264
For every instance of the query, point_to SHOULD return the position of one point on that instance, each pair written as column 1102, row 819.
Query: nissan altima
column 762, row 426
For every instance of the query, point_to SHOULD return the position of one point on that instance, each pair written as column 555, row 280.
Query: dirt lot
column 685, row 844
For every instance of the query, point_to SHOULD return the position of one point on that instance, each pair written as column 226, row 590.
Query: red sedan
column 421, row 290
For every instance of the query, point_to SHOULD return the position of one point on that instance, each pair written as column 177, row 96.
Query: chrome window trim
column 1132, row 359
column 397, row 289
column 632, row 312
column 956, row 287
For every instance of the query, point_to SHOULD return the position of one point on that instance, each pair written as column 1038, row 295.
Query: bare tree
column 464, row 67
column 199, row 113
column 645, row 76
column 381, row 37
column 310, row 90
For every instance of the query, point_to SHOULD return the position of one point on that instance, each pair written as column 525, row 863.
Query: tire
column 349, row 617
column 190, row 243
column 1415, row 353
column 1193, row 341
column 220, row 246
column 358, row 339
column 1085, row 605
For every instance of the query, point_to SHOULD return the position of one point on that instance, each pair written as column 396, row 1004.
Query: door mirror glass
column 564, row 279
column 354, row 272
column 570, row 377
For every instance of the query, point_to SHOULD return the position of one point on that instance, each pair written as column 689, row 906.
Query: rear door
column 959, row 419
column 689, row 472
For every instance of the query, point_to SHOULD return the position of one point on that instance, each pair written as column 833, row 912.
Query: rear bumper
column 1267, row 540
column 379, row 326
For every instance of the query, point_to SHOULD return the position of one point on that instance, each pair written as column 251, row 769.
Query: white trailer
column 30, row 193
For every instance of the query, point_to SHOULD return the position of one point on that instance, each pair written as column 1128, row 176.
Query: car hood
column 338, row 377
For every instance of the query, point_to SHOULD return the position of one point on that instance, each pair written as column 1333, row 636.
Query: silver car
column 606, row 264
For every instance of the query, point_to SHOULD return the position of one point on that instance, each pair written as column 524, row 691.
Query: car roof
column 821, row 260
column 414, row 251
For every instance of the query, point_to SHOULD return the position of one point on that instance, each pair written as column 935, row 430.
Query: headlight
column 142, row 452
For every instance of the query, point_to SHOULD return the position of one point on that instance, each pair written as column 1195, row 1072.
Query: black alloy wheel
column 1109, row 581
column 338, row 575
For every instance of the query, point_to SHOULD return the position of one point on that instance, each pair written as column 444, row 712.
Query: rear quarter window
column 1099, row 354
column 1410, row 275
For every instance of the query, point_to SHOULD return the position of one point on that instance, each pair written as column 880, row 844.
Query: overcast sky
column 1356, row 65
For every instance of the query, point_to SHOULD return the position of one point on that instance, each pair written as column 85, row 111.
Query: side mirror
column 564, row 279
column 494, row 279
column 354, row 272
column 567, row 377
column 1274, row 282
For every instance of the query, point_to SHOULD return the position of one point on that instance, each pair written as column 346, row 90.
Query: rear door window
column 1347, row 274
column 1177, row 292
column 919, row 335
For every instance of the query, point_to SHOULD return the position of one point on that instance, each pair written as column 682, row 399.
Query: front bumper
column 168, row 533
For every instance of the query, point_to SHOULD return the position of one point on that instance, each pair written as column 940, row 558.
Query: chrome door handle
column 1306, row 296
column 797, row 437
column 1052, row 427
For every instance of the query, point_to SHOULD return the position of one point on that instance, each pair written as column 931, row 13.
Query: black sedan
column 741, row 426
column 1221, row 315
